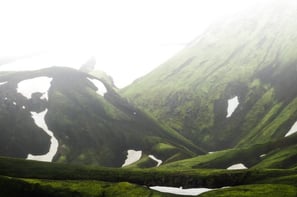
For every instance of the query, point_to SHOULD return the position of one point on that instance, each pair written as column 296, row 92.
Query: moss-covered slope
column 252, row 56
column 90, row 128
column 19, row 177
column 279, row 154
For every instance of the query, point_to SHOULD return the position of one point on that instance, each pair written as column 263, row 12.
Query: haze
column 128, row 38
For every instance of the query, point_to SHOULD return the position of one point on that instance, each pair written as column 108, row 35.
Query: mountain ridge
column 251, row 57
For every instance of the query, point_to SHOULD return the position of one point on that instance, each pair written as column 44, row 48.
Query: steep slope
column 251, row 58
column 279, row 154
column 91, row 125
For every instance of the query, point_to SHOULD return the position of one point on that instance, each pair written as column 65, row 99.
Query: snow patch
column 101, row 89
column 180, row 190
column 39, row 84
column 132, row 157
column 232, row 105
column 14, row 103
column 238, row 166
column 263, row 155
column 40, row 122
column 2, row 83
column 159, row 162
column 292, row 130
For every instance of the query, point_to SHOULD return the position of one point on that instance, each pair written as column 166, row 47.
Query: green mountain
column 230, row 91
column 90, row 128
column 251, row 56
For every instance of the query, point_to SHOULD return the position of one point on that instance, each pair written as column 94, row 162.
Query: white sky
column 128, row 37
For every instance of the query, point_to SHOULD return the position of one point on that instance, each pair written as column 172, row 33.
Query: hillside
column 19, row 177
column 89, row 125
column 250, row 59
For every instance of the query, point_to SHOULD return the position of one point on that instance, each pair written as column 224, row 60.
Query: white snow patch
column 40, row 122
column 238, row 166
column 5, row 98
column 101, row 89
column 39, row 84
column 132, row 157
column 159, row 162
column 24, row 107
column 2, row 83
column 263, row 155
column 232, row 105
column 292, row 130
column 14, row 103
column 180, row 190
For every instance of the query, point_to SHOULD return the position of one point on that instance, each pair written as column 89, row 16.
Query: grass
column 41, row 187
column 261, row 190
column 248, row 58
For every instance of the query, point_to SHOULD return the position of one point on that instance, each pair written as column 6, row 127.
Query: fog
column 128, row 38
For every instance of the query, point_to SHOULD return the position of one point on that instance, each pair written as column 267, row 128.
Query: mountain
column 250, row 59
column 220, row 115
column 62, row 111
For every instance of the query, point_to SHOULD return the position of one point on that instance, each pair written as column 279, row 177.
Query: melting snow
column 101, row 89
column 232, row 105
column 238, row 166
column 292, row 130
column 2, row 83
column 132, row 157
column 40, row 122
column 38, row 84
column 159, row 162
column 180, row 190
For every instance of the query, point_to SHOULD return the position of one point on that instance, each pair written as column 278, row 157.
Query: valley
column 216, row 119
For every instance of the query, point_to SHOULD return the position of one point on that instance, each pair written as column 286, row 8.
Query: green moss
column 255, row 190
column 284, row 158
column 245, row 57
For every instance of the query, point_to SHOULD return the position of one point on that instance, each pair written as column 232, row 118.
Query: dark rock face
column 19, row 134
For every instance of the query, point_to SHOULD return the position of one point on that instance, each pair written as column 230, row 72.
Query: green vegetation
column 53, row 179
column 263, row 190
column 35, row 187
column 251, row 57
column 90, row 128
column 279, row 154
column 176, row 113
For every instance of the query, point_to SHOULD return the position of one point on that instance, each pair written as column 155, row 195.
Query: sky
column 128, row 38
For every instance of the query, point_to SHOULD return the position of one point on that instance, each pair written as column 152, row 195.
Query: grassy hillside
column 52, row 179
column 253, row 57
column 279, row 154
column 90, row 128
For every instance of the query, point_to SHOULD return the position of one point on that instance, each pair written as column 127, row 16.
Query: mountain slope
column 91, row 125
column 252, row 57
column 30, row 177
